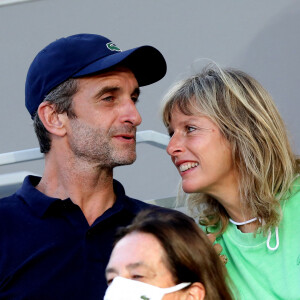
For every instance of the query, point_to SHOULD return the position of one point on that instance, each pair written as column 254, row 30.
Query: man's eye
column 109, row 98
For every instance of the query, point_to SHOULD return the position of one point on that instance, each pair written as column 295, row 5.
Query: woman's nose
column 175, row 145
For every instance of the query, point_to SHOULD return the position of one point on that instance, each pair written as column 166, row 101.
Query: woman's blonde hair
column 248, row 118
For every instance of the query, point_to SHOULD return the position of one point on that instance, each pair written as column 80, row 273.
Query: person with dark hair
column 56, row 232
column 165, row 255
column 230, row 146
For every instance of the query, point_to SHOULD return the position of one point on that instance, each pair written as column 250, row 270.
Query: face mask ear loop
column 269, row 238
column 176, row 288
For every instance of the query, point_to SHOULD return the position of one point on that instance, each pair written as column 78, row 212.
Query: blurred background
column 260, row 37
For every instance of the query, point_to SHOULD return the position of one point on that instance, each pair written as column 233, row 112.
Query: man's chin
column 125, row 161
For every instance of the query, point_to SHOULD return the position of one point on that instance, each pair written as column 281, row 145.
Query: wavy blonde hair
column 248, row 118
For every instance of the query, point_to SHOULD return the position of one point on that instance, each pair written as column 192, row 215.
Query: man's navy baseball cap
column 85, row 54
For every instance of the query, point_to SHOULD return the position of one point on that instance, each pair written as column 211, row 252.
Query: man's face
column 104, row 129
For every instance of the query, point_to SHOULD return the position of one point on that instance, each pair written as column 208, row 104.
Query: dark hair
column 190, row 256
column 61, row 97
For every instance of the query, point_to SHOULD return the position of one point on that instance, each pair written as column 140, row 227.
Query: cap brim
column 147, row 64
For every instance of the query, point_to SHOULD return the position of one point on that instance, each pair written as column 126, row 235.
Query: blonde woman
column 231, row 149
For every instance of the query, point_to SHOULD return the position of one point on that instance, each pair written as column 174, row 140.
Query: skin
column 197, row 140
column 105, row 128
column 139, row 256
column 85, row 150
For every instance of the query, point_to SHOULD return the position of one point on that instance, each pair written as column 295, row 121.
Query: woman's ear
column 196, row 291
column 53, row 121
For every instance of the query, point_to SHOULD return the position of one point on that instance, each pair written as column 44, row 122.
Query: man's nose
column 130, row 113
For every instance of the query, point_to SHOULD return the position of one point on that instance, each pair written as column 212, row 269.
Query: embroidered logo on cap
column 113, row 47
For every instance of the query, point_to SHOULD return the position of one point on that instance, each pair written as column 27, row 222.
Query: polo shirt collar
column 37, row 201
column 40, row 202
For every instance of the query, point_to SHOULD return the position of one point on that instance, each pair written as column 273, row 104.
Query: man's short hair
column 61, row 97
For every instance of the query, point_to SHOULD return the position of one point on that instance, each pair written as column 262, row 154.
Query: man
column 57, row 231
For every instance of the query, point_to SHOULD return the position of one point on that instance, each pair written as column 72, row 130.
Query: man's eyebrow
column 107, row 89
column 110, row 89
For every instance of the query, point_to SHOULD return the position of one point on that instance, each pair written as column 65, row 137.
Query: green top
column 260, row 273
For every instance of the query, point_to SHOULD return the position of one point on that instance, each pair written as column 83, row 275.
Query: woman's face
column 139, row 256
column 201, row 154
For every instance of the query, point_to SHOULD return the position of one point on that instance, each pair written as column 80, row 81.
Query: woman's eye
column 194, row 130
column 191, row 128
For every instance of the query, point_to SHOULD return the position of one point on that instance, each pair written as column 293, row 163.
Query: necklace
column 242, row 223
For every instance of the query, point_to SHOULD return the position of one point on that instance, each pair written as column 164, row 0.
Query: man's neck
column 87, row 185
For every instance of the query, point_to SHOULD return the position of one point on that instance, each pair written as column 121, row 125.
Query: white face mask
column 126, row 289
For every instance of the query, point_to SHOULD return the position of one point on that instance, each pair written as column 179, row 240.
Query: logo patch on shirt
column 113, row 47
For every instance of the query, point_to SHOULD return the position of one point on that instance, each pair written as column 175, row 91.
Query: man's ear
column 195, row 292
column 53, row 121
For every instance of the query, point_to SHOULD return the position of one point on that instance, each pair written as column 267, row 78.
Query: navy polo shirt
column 49, row 251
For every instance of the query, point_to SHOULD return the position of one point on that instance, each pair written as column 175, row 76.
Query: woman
column 231, row 149
column 164, row 255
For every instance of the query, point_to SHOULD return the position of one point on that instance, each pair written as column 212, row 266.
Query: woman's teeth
column 187, row 166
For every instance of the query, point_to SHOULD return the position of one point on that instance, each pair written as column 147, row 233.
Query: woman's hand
column 218, row 248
